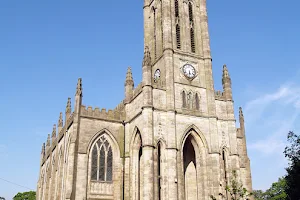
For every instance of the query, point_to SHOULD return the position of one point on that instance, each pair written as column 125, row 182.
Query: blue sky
column 46, row 46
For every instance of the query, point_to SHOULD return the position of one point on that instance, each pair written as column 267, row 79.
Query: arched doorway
column 190, row 170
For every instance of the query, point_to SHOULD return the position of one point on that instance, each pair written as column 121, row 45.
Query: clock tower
column 172, row 137
column 176, row 33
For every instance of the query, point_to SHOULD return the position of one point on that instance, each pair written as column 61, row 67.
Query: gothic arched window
column 154, row 31
column 190, row 12
column 178, row 43
column 102, row 161
column 183, row 99
column 224, row 171
column 192, row 32
column 176, row 9
column 197, row 101
column 190, row 100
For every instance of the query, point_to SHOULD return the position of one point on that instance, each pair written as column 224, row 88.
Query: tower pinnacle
column 60, row 120
column 226, row 82
column 241, row 115
column 79, row 87
column 48, row 141
column 54, row 132
column 68, row 109
column 129, row 79
column 129, row 84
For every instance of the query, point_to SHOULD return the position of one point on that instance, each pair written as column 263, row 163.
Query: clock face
column 156, row 75
column 189, row 71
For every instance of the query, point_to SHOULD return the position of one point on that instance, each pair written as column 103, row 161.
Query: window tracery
column 102, row 161
column 178, row 42
column 192, row 32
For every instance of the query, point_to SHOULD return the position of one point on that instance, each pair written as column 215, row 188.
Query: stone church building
column 173, row 137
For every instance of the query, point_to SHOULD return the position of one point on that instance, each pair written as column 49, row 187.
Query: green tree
column 236, row 190
column 276, row 191
column 258, row 194
column 25, row 196
column 292, row 152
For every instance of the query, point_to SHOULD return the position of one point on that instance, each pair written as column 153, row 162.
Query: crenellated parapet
column 219, row 95
column 110, row 115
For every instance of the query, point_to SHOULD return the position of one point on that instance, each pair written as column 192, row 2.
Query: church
column 172, row 137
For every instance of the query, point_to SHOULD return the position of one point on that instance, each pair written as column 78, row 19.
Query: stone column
column 148, row 171
column 81, row 181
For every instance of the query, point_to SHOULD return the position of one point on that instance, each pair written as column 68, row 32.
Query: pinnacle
column 43, row 148
column 54, row 131
column 79, row 87
column 147, row 57
column 48, row 140
column 241, row 112
column 225, row 72
column 68, row 108
column 60, row 121
column 129, row 79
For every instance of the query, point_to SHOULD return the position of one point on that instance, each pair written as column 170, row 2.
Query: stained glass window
column 94, row 163
column 109, row 165
column 102, row 161
column 102, row 165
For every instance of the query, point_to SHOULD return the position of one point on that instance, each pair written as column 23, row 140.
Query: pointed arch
column 190, row 100
column 160, row 169
column 184, row 99
column 224, row 166
column 191, row 14
column 192, row 28
column 196, row 132
column 136, row 155
column 110, row 137
column 104, row 164
column 194, row 153
column 176, row 8
column 154, row 31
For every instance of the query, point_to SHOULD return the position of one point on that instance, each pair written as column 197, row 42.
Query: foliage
column 292, row 152
column 258, row 194
column 25, row 196
column 276, row 191
column 235, row 189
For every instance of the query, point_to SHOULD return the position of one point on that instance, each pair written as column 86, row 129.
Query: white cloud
column 269, row 117
column 271, row 113
column 286, row 95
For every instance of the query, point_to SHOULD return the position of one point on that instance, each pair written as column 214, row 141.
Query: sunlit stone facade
column 173, row 137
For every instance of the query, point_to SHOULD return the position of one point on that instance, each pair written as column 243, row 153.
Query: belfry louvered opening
column 193, row 48
column 178, row 43
column 191, row 12
column 176, row 9
column 192, row 32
